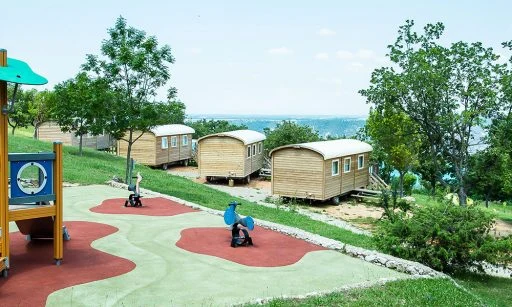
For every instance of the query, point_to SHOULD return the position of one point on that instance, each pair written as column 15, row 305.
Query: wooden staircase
column 376, row 183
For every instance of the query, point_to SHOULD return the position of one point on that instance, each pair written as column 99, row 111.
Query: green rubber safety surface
column 167, row 275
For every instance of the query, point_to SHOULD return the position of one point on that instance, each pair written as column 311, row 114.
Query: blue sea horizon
column 326, row 125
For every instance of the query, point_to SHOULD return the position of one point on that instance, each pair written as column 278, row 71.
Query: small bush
column 447, row 238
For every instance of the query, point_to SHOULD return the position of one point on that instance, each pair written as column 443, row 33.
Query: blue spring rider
column 134, row 198
column 238, row 224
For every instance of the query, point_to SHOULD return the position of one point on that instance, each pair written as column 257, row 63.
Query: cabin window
column 335, row 169
column 248, row 151
column 360, row 161
column 346, row 165
column 260, row 147
column 174, row 141
column 165, row 145
column 184, row 140
column 254, row 149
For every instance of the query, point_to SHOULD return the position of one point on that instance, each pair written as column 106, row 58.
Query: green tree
column 40, row 108
column 394, row 134
column 205, row 127
column 79, row 103
column 288, row 132
column 20, row 116
column 136, row 67
column 446, row 91
column 489, row 174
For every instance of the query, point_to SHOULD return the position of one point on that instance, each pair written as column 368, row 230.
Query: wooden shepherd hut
column 50, row 131
column 163, row 145
column 320, row 170
column 234, row 154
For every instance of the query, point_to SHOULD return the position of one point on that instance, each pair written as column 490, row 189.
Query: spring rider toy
column 237, row 224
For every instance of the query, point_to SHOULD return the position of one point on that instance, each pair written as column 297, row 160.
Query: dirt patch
column 502, row 228
column 357, row 214
column 270, row 249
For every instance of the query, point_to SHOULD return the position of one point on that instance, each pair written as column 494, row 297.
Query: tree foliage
column 445, row 91
column 20, row 116
column 205, row 127
column 394, row 135
column 78, row 105
column 135, row 66
column 288, row 132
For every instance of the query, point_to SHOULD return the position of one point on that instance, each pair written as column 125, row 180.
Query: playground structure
column 27, row 204
column 237, row 224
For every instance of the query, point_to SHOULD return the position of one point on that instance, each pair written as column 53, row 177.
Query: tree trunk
column 13, row 128
column 128, row 156
column 462, row 196
column 487, row 200
column 80, row 145
column 401, row 184
column 36, row 126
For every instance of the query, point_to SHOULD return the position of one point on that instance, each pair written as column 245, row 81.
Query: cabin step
column 365, row 197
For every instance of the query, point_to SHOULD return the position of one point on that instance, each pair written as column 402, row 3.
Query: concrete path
column 167, row 275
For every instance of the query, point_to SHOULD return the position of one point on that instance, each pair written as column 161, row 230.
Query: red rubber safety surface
column 270, row 249
column 33, row 274
column 157, row 206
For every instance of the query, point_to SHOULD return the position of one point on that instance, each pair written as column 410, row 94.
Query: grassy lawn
column 422, row 292
column 97, row 168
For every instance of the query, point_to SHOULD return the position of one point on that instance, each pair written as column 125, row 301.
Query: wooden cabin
column 320, row 170
column 163, row 145
column 234, row 154
column 50, row 131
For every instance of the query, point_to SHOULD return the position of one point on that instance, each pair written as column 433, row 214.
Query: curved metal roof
column 172, row 130
column 332, row 149
column 18, row 71
column 246, row 136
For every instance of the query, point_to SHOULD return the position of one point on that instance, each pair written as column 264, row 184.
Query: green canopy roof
column 18, row 71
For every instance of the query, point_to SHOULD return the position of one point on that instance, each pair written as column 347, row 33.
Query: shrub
column 408, row 184
column 447, row 238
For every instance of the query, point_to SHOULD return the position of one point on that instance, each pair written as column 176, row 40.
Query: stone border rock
column 401, row 265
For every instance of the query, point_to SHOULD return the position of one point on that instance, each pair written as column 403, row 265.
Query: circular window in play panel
column 31, row 178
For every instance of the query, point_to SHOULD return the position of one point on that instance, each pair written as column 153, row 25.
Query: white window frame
column 337, row 161
column 184, row 140
column 164, row 145
column 174, row 141
column 253, row 150
column 349, row 164
column 360, row 166
column 248, row 155
column 260, row 147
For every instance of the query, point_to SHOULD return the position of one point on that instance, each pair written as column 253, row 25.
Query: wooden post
column 4, row 198
column 58, row 249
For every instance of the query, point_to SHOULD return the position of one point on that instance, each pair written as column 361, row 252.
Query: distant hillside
column 325, row 125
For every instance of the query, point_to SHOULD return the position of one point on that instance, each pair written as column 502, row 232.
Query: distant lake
column 325, row 125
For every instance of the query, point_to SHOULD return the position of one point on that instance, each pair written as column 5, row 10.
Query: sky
column 248, row 57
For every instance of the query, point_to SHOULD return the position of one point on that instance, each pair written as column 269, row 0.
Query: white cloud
column 322, row 56
column 345, row 55
column 365, row 54
column 280, row 51
column 326, row 32
column 195, row 50
column 330, row 81
column 360, row 55
column 337, row 81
